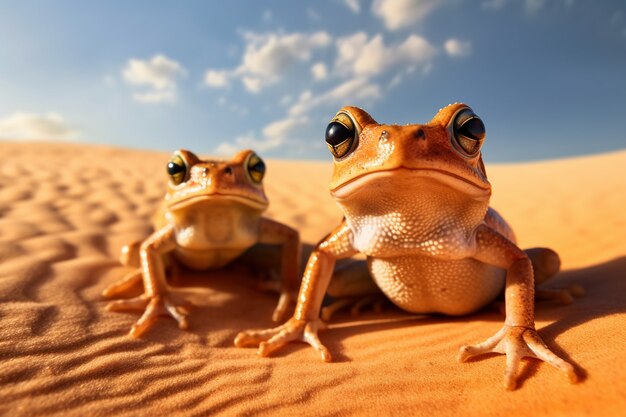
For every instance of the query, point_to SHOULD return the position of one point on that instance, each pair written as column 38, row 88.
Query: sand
column 66, row 209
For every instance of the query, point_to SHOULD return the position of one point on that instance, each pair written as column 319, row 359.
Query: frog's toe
column 488, row 346
column 254, row 337
column 518, row 342
column 542, row 352
column 148, row 318
column 123, row 285
column 311, row 337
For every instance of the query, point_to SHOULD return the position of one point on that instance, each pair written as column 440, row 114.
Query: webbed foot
column 517, row 342
column 153, row 307
column 270, row 340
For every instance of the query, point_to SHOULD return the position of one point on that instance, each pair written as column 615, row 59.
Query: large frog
column 211, row 214
column 416, row 204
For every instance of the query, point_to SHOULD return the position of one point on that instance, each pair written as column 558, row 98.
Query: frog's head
column 444, row 151
column 193, row 180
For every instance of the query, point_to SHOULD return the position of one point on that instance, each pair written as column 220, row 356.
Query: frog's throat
column 225, row 198
column 454, row 181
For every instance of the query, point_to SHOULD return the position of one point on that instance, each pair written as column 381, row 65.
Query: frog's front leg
column 304, row 324
column 156, row 299
column 289, row 240
column 518, row 338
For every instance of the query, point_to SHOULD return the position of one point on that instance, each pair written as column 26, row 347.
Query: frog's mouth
column 406, row 178
column 191, row 200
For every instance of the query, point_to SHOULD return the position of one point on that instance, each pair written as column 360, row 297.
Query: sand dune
column 66, row 209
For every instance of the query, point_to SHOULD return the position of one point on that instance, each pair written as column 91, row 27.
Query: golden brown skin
column 418, row 207
column 211, row 214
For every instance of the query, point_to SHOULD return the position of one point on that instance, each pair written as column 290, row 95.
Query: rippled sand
column 65, row 211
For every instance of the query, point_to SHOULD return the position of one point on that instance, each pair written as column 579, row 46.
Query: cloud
column 276, row 134
column 457, row 48
column 21, row 125
column 352, row 91
column 319, row 71
column 216, row 79
column 353, row 5
column 359, row 56
column 156, row 96
column 266, row 57
column 398, row 14
column 158, row 75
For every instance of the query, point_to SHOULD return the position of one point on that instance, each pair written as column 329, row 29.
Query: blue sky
column 548, row 77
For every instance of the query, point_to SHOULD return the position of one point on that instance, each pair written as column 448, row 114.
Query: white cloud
column 352, row 91
column 252, row 84
column 275, row 134
column 267, row 56
column 457, row 48
column 216, row 79
column 353, row 5
column 283, row 129
column 359, row 56
column 156, row 96
column 319, row 71
column 398, row 14
column 22, row 125
column 158, row 74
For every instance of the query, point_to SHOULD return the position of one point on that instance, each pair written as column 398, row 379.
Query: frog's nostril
column 228, row 171
column 420, row 134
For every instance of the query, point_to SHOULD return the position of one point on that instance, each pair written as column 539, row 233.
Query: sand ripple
column 65, row 210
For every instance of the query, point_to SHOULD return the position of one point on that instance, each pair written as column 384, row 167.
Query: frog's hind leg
column 352, row 286
column 546, row 264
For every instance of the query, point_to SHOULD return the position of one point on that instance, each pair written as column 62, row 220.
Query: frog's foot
column 152, row 308
column 124, row 285
column 356, row 305
column 517, row 342
column 562, row 295
column 271, row 340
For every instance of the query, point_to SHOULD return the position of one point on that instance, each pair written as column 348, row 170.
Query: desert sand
column 66, row 209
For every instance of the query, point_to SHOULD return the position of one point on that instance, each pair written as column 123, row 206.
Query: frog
column 212, row 214
column 415, row 200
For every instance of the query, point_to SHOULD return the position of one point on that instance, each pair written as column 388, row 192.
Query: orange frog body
column 416, row 204
column 211, row 214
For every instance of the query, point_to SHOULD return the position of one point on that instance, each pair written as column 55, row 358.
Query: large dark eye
column 256, row 168
column 177, row 169
column 469, row 132
column 341, row 135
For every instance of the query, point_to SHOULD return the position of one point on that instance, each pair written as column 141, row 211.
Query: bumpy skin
column 418, row 208
column 205, row 222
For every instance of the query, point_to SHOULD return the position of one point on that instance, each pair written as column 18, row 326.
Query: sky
column 548, row 77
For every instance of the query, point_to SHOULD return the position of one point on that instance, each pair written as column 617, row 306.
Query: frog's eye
column 341, row 135
column 256, row 168
column 177, row 169
column 468, row 132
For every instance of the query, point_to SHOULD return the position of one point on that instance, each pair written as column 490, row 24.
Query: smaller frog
column 415, row 200
column 210, row 216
